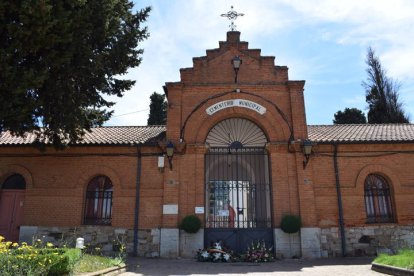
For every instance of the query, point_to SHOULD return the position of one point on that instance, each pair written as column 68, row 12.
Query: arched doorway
column 11, row 206
column 238, row 205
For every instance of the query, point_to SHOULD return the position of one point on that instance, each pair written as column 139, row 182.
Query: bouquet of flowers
column 216, row 253
column 257, row 253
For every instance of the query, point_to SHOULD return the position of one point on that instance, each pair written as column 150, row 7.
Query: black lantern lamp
column 307, row 151
column 170, row 153
column 236, row 62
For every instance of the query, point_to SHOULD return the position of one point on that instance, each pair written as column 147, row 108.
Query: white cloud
column 182, row 29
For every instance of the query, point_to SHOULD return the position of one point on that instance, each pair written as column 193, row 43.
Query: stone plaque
column 170, row 209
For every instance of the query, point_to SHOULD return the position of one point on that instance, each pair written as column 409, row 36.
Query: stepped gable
column 205, row 68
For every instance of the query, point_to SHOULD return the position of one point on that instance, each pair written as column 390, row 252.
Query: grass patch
column 404, row 259
column 91, row 263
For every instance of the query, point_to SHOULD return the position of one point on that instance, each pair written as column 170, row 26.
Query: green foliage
column 349, row 116
column 119, row 247
column 38, row 259
column 190, row 224
column 382, row 94
column 90, row 263
column 59, row 58
column 404, row 259
column 158, row 110
column 66, row 264
column 290, row 224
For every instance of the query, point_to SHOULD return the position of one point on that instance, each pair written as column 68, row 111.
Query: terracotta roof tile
column 362, row 133
column 116, row 135
column 126, row 135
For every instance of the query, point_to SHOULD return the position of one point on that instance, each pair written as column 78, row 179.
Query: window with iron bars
column 98, row 202
column 378, row 200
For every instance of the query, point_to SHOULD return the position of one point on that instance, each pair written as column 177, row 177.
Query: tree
column 349, row 116
column 59, row 58
column 382, row 94
column 158, row 110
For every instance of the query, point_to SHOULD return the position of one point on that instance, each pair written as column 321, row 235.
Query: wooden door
column 11, row 213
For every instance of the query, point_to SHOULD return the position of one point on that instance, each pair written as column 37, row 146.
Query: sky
column 323, row 42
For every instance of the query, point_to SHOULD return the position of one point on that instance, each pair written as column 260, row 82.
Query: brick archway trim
column 90, row 173
column 378, row 169
column 283, row 115
column 15, row 168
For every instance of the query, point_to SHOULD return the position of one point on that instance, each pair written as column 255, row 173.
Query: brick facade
column 56, row 181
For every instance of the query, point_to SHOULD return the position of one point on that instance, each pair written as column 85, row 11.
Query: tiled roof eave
column 103, row 136
column 363, row 141
column 150, row 144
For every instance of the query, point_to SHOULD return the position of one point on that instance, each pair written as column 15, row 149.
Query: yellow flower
column 15, row 244
column 2, row 238
column 49, row 244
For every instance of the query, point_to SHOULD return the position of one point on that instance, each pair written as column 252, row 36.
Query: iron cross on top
column 232, row 15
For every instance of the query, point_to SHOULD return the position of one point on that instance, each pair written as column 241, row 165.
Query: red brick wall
column 260, row 81
column 57, row 183
column 355, row 162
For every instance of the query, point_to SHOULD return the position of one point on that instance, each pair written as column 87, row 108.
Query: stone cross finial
column 232, row 15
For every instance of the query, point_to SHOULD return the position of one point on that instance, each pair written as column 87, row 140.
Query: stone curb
column 115, row 270
column 392, row 270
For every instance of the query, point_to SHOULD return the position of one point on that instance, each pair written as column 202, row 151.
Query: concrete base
column 105, row 237
column 191, row 243
column 169, row 246
column 27, row 233
column 311, row 242
column 286, row 245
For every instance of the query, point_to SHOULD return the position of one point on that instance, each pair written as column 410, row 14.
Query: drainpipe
column 340, row 210
column 136, row 214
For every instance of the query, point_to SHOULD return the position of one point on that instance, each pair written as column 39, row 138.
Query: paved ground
column 331, row 267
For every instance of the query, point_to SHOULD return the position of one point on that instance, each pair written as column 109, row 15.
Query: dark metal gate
column 238, row 202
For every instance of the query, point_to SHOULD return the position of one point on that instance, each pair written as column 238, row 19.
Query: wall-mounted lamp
column 236, row 61
column 170, row 153
column 307, row 151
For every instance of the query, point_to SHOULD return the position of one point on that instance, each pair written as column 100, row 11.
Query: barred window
column 98, row 203
column 378, row 200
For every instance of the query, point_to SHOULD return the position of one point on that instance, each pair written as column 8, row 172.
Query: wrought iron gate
column 238, row 204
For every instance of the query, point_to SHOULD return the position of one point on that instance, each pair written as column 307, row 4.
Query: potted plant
column 290, row 224
column 190, row 224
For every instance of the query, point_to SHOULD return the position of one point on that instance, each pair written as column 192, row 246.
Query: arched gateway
column 237, row 187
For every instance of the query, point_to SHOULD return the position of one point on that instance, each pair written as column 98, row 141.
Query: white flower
column 205, row 254
column 226, row 257
column 217, row 256
column 217, row 245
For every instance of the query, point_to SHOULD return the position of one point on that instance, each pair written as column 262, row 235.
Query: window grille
column 98, row 203
column 378, row 200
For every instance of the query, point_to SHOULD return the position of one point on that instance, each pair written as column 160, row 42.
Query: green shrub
column 290, row 224
column 190, row 224
column 39, row 259
column 66, row 263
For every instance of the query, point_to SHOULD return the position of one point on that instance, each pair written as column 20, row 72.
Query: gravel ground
column 331, row 267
